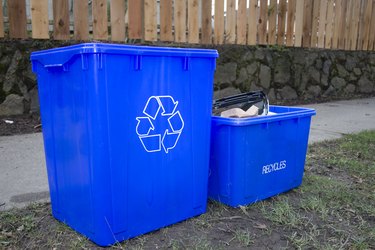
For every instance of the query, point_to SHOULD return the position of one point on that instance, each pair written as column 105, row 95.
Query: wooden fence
column 332, row 24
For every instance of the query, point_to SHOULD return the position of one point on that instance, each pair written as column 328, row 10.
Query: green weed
column 244, row 237
column 282, row 212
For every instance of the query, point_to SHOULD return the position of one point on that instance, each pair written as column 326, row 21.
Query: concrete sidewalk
column 23, row 176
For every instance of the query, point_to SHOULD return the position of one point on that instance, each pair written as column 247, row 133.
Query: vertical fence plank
column 290, row 22
column 219, row 22
column 61, row 19
column 307, row 21
column 150, row 25
column 366, row 25
column 354, row 25
column 361, row 24
column 299, row 22
column 336, row 29
column 206, row 22
column 322, row 23
column 315, row 23
column 348, row 25
column 180, row 21
column 281, row 22
column 166, row 15
column 135, row 10
column 1, row 19
column 342, row 29
column 241, row 22
column 17, row 18
column 252, row 22
column 230, row 24
column 371, row 42
column 99, row 19
column 329, row 25
column 193, row 18
column 262, row 25
column 272, row 15
column 39, row 19
column 117, row 20
column 81, row 20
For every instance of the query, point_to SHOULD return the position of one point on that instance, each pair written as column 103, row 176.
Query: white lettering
column 277, row 166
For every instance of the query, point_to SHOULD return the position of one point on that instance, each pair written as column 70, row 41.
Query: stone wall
column 295, row 74
column 286, row 74
column 18, row 87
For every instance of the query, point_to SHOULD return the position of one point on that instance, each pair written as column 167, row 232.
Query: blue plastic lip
column 296, row 112
column 106, row 48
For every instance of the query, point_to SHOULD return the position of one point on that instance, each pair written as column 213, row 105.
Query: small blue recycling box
column 258, row 157
column 126, row 133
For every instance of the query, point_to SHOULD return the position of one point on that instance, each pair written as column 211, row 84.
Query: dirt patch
column 333, row 209
column 20, row 124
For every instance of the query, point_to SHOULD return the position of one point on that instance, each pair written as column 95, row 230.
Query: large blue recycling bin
column 126, row 133
column 258, row 157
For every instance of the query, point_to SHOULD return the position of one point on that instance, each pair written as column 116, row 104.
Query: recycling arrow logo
column 162, row 124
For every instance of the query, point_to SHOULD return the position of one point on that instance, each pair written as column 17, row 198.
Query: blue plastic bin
column 126, row 133
column 256, row 158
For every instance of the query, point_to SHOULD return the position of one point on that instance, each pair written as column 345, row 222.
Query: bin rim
column 295, row 112
column 108, row 48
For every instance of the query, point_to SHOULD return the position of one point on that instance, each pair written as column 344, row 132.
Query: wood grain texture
column 272, row 22
column 329, row 25
column 150, row 24
column 355, row 25
column 100, row 20
column 193, row 21
column 61, row 19
column 262, row 22
column 290, row 22
column 252, row 22
column 1, row 19
column 322, row 23
column 361, row 25
column 117, row 20
column 348, row 25
column 166, row 15
column 39, row 19
column 17, row 18
column 342, row 22
column 307, row 23
column 336, row 28
column 180, row 21
column 81, row 20
column 230, row 27
column 367, row 25
column 206, row 22
column 135, row 26
column 281, row 22
column 241, row 22
column 299, row 22
column 315, row 24
column 371, row 42
column 219, row 22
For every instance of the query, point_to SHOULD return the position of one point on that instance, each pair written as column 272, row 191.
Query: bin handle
column 57, row 66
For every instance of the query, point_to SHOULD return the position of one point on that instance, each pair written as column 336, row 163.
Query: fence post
column 81, row 20
column 206, row 21
column 17, row 18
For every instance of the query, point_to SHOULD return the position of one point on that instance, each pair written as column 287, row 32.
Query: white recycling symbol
column 152, row 136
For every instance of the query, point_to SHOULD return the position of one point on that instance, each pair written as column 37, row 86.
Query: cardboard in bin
column 258, row 157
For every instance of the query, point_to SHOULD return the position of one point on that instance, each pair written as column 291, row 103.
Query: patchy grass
column 333, row 209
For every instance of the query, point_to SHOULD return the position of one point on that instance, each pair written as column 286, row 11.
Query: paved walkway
column 23, row 176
